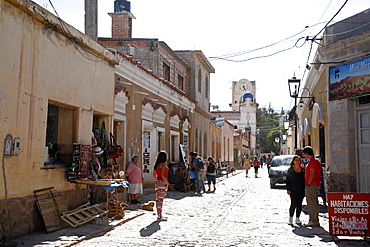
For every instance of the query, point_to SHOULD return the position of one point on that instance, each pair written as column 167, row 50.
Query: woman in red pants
column 161, row 185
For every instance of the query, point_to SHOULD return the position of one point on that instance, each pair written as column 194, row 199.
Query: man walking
column 198, row 166
column 312, row 181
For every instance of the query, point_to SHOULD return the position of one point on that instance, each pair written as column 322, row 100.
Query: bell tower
column 242, row 91
column 244, row 101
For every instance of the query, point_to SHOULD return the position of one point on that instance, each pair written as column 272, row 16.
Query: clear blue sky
column 219, row 28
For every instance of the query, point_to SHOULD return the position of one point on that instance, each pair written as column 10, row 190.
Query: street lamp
column 286, row 122
column 277, row 140
column 284, row 137
column 284, row 144
column 310, row 103
column 294, row 85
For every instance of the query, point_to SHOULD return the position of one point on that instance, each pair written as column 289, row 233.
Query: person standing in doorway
column 312, row 181
column 160, row 174
column 295, row 186
column 135, row 178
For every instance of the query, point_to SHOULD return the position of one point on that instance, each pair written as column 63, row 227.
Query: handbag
column 114, row 151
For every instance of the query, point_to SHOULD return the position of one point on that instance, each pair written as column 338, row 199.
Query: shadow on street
column 311, row 232
column 150, row 229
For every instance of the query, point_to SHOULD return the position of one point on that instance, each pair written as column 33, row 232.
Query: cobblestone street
column 241, row 212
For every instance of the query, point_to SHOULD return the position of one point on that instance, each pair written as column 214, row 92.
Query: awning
column 318, row 115
column 301, row 130
column 307, row 125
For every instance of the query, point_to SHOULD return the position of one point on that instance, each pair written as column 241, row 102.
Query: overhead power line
column 314, row 38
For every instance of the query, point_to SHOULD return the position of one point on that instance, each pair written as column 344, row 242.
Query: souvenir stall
column 95, row 166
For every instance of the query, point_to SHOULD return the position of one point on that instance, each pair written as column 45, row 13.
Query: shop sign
column 183, row 155
column 146, row 139
column 350, row 80
column 146, row 158
column 146, row 161
column 349, row 214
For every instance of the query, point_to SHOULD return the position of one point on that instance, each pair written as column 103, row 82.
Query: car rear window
column 281, row 161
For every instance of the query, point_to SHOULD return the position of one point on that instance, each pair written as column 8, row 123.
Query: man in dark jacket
column 198, row 166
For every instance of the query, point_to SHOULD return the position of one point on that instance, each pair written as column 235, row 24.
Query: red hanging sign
column 349, row 214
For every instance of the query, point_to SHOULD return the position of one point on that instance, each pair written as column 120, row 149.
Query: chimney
column 91, row 19
column 122, row 19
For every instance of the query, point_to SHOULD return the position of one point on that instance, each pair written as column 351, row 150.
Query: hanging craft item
column 103, row 137
column 115, row 151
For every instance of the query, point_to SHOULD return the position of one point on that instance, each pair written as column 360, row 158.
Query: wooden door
column 364, row 150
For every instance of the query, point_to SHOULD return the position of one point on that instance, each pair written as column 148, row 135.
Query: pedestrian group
column 165, row 175
column 300, row 181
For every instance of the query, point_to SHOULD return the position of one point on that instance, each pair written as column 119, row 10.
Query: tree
column 266, row 121
column 274, row 133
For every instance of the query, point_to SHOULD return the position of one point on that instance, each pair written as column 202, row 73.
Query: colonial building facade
column 186, row 72
column 336, row 122
column 150, row 115
column 60, row 88
column 56, row 83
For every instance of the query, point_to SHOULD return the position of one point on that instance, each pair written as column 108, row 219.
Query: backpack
column 201, row 163
column 211, row 168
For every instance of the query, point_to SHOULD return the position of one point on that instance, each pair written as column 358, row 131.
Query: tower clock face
column 243, row 86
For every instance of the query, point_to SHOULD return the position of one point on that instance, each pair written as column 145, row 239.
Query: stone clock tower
column 243, row 90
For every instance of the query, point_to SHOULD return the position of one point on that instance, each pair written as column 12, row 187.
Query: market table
column 109, row 185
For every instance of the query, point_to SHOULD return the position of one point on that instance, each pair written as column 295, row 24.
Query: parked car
column 278, row 169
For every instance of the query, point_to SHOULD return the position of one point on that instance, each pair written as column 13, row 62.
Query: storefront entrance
column 363, row 117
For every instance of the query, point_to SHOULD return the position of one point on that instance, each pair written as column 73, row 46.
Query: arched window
column 200, row 80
